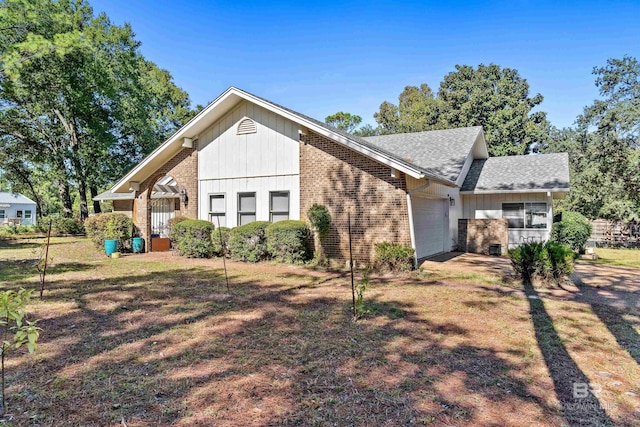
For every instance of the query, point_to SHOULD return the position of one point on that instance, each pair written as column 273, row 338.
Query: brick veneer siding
column 346, row 181
column 183, row 168
column 476, row 235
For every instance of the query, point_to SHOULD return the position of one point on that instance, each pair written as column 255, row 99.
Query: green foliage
column 287, row 241
column 61, row 225
column 550, row 260
column 394, row 257
column 248, row 242
column 109, row 226
column 489, row 96
column 320, row 220
column 343, row 121
column 573, row 230
column 192, row 238
column 16, row 329
column 171, row 222
column 220, row 241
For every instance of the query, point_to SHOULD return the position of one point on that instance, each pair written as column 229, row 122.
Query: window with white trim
column 19, row 214
column 278, row 205
column 2, row 214
column 27, row 214
column 217, row 210
column 530, row 215
column 246, row 208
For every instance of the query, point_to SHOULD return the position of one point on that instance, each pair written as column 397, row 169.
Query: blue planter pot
column 110, row 246
column 137, row 245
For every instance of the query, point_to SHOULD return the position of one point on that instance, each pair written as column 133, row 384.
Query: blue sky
column 320, row 58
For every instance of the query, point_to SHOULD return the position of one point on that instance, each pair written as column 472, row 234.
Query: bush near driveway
column 249, row 242
column 393, row 257
column 192, row 238
column 287, row 241
column 546, row 261
column 573, row 230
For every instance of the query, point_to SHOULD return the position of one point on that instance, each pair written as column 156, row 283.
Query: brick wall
column 476, row 235
column 346, row 181
column 183, row 168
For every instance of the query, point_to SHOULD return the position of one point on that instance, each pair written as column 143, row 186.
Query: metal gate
column 162, row 210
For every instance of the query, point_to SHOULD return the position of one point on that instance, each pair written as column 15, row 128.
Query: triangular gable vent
column 247, row 125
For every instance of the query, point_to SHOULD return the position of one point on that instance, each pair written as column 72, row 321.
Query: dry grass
column 155, row 340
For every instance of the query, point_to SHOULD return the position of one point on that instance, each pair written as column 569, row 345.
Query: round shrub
column 109, row 226
column 248, row 242
column 287, row 240
column 220, row 235
column 171, row 222
column 550, row 260
column 66, row 226
column 573, row 230
column 393, row 256
column 192, row 238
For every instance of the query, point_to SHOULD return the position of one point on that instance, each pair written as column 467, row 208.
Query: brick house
column 243, row 158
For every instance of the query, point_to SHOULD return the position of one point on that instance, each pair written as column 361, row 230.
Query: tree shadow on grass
column 578, row 403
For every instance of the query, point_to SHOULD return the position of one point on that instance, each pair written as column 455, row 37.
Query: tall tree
column 604, row 150
column 77, row 96
column 489, row 96
column 343, row 121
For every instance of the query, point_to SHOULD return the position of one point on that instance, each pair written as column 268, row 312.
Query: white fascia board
column 530, row 190
column 165, row 147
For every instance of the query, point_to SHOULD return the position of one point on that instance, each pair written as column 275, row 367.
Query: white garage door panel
column 429, row 219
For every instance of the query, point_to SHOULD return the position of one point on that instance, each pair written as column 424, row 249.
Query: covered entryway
column 164, row 203
column 430, row 225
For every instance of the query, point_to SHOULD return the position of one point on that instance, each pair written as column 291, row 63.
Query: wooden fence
column 611, row 233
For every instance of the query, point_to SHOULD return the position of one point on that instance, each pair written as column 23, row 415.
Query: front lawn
column 617, row 257
column 155, row 339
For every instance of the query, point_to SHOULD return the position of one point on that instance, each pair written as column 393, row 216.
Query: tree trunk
column 65, row 196
column 96, row 204
column 82, row 190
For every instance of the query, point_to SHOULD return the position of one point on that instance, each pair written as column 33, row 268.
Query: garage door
column 430, row 223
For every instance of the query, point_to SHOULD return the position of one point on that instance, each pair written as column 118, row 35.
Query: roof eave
column 525, row 190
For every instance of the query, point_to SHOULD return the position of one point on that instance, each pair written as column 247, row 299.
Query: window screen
column 2, row 214
column 246, row 208
column 18, row 214
column 279, row 206
column 514, row 213
column 217, row 210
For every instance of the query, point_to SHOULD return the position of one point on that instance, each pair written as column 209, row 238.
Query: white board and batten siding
column 262, row 162
column 489, row 206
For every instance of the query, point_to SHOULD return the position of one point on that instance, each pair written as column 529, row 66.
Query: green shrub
column 62, row 225
column 550, row 260
column 109, row 226
column 192, row 238
column 171, row 222
column 287, row 241
column 222, row 232
column 573, row 230
column 320, row 220
column 248, row 242
column 393, row 256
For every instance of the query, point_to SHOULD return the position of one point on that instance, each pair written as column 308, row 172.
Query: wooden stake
column 46, row 259
column 224, row 255
column 353, row 286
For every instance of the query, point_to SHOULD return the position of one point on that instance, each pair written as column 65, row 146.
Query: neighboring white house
column 17, row 209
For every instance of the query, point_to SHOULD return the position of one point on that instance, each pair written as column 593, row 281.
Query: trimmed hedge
column 171, row 222
column 287, row 241
column 550, row 260
column 192, row 238
column 109, row 226
column 573, row 230
column 223, row 232
column 248, row 242
column 60, row 225
column 394, row 257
